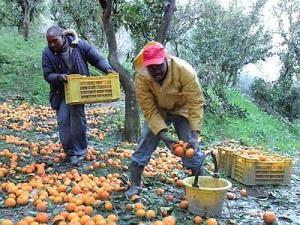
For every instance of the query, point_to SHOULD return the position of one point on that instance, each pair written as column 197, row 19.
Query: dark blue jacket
column 53, row 65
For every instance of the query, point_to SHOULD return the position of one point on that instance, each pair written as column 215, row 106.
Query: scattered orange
column 112, row 218
column 150, row 214
column 41, row 217
column 6, row 222
column 139, row 205
column 197, row 220
column 179, row 151
column 211, row 221
column 169, row 220
column 23, row 199
column 108, row 206
column 189, row 153
column 230, row 196
column 160, row 191
column 243, row 193
column 41, row 206
column 140, row 213
column 88, row 210
column 269, row 217
column 10, row 202
column 22, row 222
column 158, row 222
column 184, row 204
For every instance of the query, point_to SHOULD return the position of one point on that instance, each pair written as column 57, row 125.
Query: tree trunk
column 166, row 20
column 132, row 119
column 28, row 6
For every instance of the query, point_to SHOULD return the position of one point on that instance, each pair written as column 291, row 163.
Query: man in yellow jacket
column 168, row 92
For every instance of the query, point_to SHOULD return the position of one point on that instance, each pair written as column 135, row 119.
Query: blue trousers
column 72, row 126
column 148, row 142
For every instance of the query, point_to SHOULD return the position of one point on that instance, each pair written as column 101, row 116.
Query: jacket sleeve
column 94, row 57
column 193, row 94
column 48, row 71
column 146, row 101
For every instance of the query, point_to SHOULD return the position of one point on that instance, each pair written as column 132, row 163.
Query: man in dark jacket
column 61, row 58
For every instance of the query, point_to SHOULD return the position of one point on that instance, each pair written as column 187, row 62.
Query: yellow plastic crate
column 225, row 159
column 93, row 89
column 250, row 171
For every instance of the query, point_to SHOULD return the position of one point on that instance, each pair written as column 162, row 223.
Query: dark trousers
column 72, row 126
column 148, row 142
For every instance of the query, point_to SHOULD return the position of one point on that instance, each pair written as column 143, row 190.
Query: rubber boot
column 135, row 179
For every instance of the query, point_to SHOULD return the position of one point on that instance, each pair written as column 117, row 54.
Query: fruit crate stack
column 255, row 167
column 225, row 155
column 93, row 89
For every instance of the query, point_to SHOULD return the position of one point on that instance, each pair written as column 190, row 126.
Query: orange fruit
column 6, row 222
column 158, row 222
column 211, row 221
column 61, row 223
column 169, row 220
column 108, row 206
column 58, row 218
column 84, row 219
column 243, row 193
column 179, row 183
column 22, row 222
column 41, row 217
column 189, row 153
column 76, row 190
column 160, row 191
column 184, row 204
column 29, row 219
column 179, row 151
column 140, row 213
column 269, row 217
column 230, row 196
column 41, row 206
column 88, row 210
column 10, row 202
column 263, row 158
column 112, row 218
column 70, row 207
column 197, row 220
column 23, row 199
column 139, row 205
column 150, row 214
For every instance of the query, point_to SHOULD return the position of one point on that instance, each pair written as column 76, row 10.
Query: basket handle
column 200, row 168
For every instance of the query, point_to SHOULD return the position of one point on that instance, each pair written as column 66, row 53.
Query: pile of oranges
column 181, row 149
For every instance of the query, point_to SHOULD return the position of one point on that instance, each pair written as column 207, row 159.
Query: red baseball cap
column 154, row 54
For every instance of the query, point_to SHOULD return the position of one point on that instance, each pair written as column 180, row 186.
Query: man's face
column 158, row 72
column 55, row 42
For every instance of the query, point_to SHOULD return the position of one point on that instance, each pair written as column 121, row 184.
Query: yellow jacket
column 180, row 94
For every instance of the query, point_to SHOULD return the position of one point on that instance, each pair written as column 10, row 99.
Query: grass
column 257, row 129
column 20, row 68
column 21, row 74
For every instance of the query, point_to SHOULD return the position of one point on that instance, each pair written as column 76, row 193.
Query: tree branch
column 166, row 20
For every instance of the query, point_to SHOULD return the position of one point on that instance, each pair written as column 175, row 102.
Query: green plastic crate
column 93, row 89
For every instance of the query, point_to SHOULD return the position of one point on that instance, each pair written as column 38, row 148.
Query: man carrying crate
column 168, row 91
column 65, row 55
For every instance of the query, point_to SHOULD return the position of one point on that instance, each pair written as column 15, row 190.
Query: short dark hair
column 55, row 31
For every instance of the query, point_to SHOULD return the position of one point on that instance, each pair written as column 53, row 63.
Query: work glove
column 193, row 142
column 63, row 77
column 167, row 139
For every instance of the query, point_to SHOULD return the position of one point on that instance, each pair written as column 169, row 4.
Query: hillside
column 21, row 78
